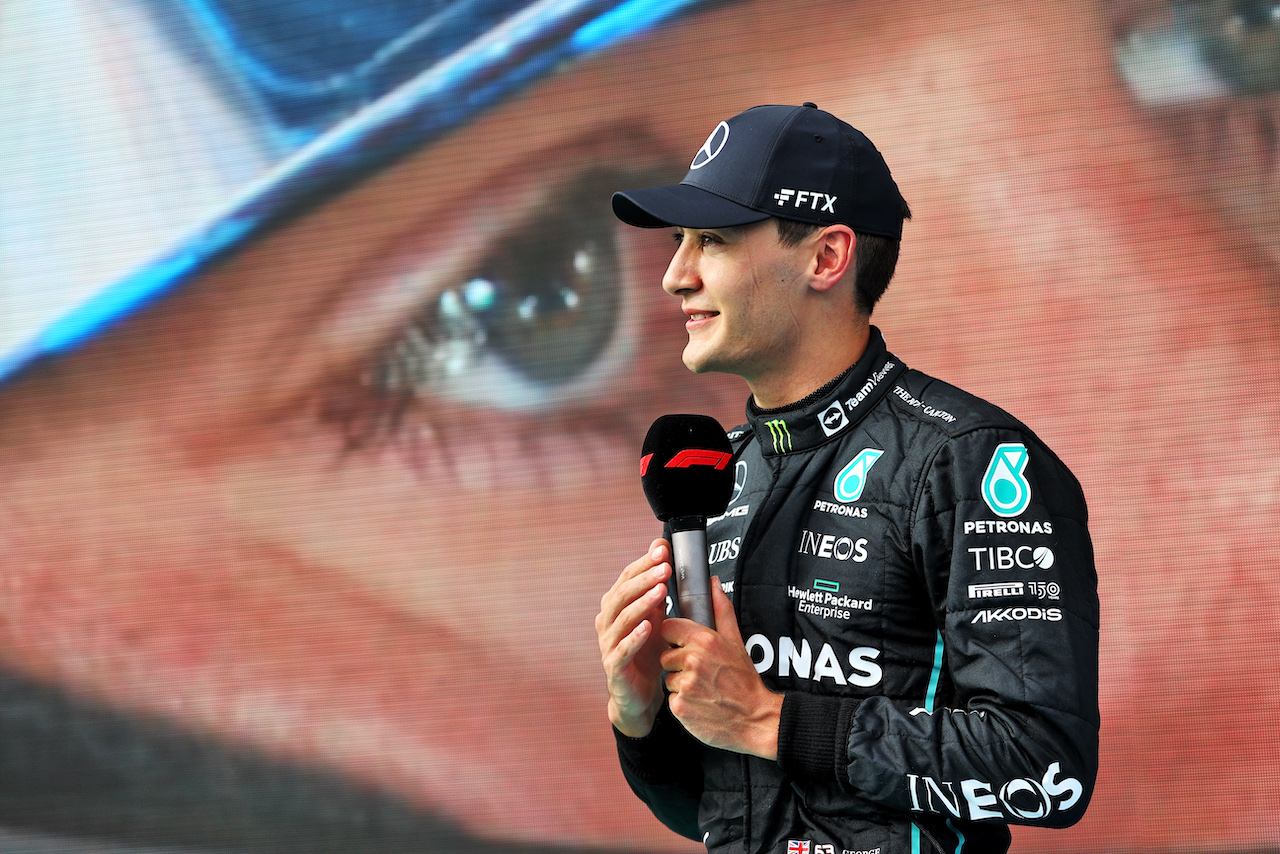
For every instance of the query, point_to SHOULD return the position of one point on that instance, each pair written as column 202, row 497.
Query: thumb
column 726, row 620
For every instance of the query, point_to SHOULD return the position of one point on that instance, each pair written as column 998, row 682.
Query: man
column 906, row 640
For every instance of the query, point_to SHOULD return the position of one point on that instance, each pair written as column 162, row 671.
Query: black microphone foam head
column 684, row 467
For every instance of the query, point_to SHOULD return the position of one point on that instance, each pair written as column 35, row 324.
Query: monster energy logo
column 781, row 435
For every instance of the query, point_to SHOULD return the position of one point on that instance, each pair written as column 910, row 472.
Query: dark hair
column 874, row 258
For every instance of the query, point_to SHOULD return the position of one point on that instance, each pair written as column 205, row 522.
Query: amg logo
column 995, row 591
column 740, row 510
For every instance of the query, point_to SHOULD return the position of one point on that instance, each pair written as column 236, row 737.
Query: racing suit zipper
column 740, row 591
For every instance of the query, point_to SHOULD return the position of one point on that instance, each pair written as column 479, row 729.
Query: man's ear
column 833, row 255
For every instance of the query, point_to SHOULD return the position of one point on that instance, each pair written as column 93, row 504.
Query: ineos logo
column 712, row 147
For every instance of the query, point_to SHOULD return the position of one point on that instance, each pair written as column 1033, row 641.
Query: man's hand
column 627, row 627
column 715, row 689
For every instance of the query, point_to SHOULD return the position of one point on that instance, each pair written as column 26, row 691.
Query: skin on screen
column 301, row 507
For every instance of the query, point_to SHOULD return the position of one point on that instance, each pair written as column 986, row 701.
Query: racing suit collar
column 832, row 410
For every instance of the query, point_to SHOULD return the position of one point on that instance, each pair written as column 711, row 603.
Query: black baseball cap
column 797, row 163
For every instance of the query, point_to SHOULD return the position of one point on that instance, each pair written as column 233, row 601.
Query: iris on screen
column 534, row 316
column 1186, row 52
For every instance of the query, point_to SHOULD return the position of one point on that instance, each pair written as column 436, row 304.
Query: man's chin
column 704, row 357
column 698, row 362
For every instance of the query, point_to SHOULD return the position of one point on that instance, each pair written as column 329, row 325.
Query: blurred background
column 324, row 369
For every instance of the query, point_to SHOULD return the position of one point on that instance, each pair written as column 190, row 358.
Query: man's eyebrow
column 726, row 230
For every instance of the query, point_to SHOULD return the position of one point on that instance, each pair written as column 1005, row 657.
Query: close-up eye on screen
column 328, row 355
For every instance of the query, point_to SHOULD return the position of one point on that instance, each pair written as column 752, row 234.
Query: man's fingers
column 659, row 553
column 625, row 650
column 726, row 619
column 626, row 620
column 679, row 631
column 635, row 581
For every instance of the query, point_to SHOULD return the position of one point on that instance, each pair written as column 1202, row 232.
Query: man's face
column 740, row 290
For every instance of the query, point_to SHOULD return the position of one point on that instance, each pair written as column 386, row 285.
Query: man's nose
column 682, row 272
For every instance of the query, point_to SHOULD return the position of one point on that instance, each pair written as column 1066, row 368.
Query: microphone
column 685, row 471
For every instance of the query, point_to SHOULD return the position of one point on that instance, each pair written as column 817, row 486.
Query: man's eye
column 533, row 321
column 1189, row 52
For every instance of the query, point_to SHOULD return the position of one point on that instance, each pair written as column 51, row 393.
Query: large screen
column 325, row 369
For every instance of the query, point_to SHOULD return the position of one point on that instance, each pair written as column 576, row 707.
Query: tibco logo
column 1008, row 557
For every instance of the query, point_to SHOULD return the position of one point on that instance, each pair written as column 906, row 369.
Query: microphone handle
column 693, row 575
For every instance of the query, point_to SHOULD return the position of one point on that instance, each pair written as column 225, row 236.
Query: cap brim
column 682, row 205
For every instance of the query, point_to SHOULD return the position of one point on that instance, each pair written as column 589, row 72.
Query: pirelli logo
column 995, row 591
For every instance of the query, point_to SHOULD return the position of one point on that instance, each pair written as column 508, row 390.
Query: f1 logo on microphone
column 690, row 457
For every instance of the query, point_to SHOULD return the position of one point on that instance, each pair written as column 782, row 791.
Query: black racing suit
column 911, row 568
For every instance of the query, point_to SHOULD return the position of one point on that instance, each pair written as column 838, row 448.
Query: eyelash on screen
column 1194, row 52
column 531, row 320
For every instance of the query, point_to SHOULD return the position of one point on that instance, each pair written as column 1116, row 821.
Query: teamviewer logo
column 783, row 196
column 833, row 419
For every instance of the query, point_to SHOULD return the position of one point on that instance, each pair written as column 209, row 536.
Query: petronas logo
column 1004, row 488
column 781, row 435
column 853, row 477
